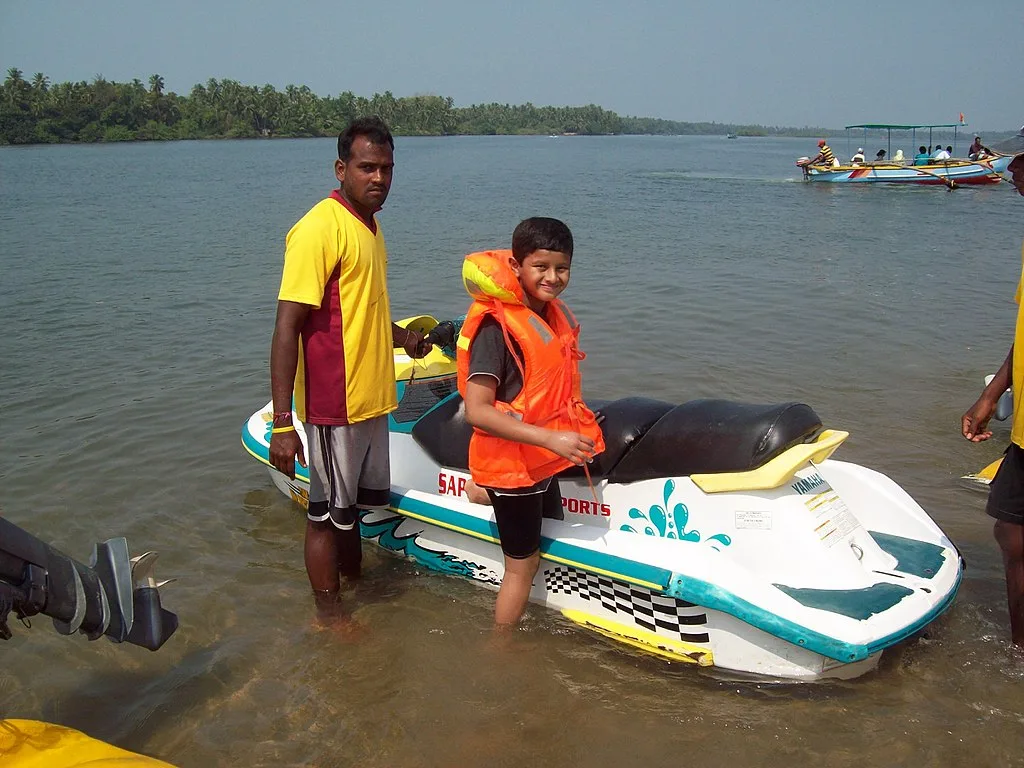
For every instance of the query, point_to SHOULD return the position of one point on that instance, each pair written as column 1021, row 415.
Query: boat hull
column 958, row 172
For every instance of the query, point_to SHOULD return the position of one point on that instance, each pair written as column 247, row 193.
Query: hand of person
column 974, row 423
column 414, row 345
column 573, row 446
column 285, row 447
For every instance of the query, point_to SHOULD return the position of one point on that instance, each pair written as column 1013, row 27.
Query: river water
column 137, row 291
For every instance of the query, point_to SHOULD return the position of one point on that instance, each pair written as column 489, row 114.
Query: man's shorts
column 349, row 469
column 519, row 517
column 1006, row 492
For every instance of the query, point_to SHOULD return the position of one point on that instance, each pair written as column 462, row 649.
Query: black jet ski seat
column 646, row 439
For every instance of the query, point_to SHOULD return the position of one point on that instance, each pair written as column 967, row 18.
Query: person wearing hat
column 825, row 155
column 858, row 157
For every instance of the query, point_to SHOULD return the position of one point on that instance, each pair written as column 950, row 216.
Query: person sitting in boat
column 825, row 155
column 922, row 157
column 977, row 150
column 899, row 158
column 858, row 157
column 518, row 373
column 880, row 156
column 940, row 153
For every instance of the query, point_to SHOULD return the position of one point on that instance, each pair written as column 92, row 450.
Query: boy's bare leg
column 476, row 494
column 515, row 588
column 1010, row 537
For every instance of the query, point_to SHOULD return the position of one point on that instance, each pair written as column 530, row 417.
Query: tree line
column 36, row 111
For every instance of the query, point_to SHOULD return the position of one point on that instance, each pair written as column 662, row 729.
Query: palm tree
column 156, row 85
column 15, row 87
column 40, row 82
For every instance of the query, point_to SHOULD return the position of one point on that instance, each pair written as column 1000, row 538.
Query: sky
column 778, row 63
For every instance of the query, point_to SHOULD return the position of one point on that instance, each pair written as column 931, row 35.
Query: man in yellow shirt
column 1006, row 494
column 333, row 351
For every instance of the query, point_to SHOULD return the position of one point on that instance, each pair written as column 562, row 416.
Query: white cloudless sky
column 781, row 62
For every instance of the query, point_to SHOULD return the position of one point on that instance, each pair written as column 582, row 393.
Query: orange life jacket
column 550, row 396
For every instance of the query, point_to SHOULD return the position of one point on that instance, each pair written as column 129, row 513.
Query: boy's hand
column 573, row 446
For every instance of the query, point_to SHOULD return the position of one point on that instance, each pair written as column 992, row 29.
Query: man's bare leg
column 1010, row 537
column 321, row 556
column 350, row 553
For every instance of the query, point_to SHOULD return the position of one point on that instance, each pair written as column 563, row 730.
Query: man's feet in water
column 331, row 615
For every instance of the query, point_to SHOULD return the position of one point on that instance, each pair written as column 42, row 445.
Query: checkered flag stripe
column 649, row 610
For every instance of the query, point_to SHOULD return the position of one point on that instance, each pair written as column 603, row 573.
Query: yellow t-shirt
column 1017, row 431
column 337, row 264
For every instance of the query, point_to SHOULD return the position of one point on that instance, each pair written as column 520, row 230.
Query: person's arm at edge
column 482, row 414
column 974, row 423
column 284, row 359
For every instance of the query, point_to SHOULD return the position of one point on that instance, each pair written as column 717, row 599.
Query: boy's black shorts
column 519, row 518
column 1006, row 492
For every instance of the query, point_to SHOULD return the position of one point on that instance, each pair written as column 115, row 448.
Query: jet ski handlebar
column 444, row 334
column 115, row 595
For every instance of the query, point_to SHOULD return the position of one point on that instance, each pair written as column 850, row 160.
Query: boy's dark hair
column 539, row 233
column 372, row 127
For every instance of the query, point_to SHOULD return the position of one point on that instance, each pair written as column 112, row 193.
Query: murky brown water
column 138, row 285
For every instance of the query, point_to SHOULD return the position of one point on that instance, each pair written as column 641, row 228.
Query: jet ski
column 711, row 532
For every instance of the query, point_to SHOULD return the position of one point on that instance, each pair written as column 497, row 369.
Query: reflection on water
column 142, row 324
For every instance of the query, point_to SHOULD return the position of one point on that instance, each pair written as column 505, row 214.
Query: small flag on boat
column 961, row 118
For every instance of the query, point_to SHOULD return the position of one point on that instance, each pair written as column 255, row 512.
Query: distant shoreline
column 334, row 136
column 36, row 111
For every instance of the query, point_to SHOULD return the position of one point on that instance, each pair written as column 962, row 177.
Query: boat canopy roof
column 908, row 127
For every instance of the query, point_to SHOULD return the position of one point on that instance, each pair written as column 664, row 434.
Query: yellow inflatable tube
column 32, row 744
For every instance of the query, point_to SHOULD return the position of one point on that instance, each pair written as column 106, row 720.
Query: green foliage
column 118, row 133
column 36, row 111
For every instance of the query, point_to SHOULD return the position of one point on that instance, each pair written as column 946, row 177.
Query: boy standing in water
column 518, row 361
column 1006, row 493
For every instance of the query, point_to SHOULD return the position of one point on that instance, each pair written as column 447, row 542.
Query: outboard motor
column 115, row 595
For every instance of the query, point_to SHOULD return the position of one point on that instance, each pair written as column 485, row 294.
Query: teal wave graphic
column 658, row 521
column 385, row 533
